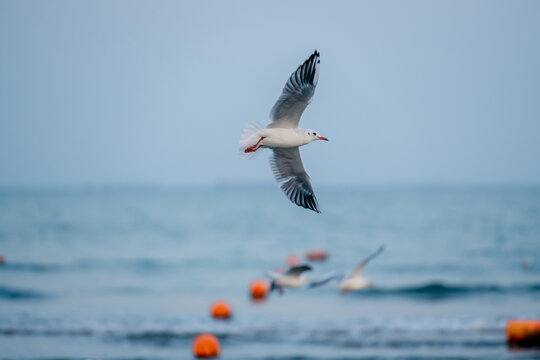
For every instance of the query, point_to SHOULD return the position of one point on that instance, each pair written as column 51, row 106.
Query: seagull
column 284, row 136
column 528, row 263
column 352, row 282
column 294, row 277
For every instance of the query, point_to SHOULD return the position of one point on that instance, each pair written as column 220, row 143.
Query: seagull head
column 312, row 135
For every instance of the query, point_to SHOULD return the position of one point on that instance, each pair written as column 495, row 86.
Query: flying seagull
column 352, row 282
column 284, row 136
column 293, row 277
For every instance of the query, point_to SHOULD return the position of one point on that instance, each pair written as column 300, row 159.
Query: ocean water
column 130, row 273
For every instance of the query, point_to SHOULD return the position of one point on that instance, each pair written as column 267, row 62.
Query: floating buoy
column 206, row 346
column 2, row 259
column 259, row 289
column 292, row 260
column 221, row 309
column 523, row 333
column 317, row 255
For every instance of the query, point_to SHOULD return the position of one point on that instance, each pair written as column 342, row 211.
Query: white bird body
column 292, row 281
column 292, row 278
column 284, row 136
column 354, row 283
column 279, row 138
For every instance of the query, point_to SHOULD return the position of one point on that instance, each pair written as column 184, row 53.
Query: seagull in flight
column 352, row 282
column 293, row 277
column 284, row 136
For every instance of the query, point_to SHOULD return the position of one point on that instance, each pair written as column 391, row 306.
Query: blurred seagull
column 528, row 263
column 294, row 277
column 353, row 282
column 284, row 136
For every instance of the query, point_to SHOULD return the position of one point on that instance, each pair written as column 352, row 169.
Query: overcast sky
column 158, row 92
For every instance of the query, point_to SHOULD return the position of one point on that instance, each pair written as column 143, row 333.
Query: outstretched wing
column 358, row 270
column 297, row 270
column 289, row 172
column 337, row 276
column 297, row 94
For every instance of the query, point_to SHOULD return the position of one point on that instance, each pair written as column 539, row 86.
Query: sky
column 158, row 92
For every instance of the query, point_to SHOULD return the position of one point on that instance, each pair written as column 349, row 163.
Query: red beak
column 323, row 138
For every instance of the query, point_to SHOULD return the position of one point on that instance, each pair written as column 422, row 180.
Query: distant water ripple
column 364, row 334
column 441, row 290
column 10, row 293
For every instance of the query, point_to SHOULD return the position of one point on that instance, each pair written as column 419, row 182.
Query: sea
column 127, row 272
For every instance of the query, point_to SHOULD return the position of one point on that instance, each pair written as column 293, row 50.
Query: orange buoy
column 206, row 346
column 221, row 309
column 317, row 255
column 523, row 333
column 2, row 259
column 259, row 289
column 292, row 260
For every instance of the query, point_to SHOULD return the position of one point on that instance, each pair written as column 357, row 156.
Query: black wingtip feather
column 307, row 69
column 296, row 197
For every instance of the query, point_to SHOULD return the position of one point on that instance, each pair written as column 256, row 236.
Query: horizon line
column 237, row 184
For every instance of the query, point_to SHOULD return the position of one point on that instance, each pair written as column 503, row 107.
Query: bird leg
column 255, row 147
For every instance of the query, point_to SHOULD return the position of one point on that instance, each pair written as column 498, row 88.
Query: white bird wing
column 337, row 276
column 358, row 270
column 289, row 172
column 296, row 95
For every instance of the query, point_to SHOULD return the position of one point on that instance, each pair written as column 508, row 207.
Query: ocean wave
column 10, row 293
column 397, row 333
column 441, row 290
column 31, row 267
column 344, row 338
column 138, row 265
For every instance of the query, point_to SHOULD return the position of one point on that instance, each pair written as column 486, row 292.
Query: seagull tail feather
column 249, row 137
